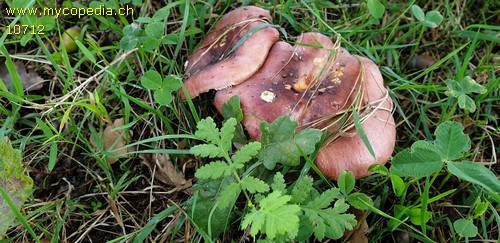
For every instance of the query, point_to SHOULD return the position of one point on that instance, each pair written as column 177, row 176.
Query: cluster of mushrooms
column 316, row 82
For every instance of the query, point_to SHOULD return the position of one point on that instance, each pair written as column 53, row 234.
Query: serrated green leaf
column 151, row 80
column 229, row 195
column 279, row 217
column 324, row 199
column 281, row 130
column 207, row 130
column 254, row 185
column 376, row 8
column 246, row 153
column 465, row 228
column 451, row 142
column 419, row 161
column 232, row 108
column 207, row 150
column 418, row 12
column 330, row 222
column 360, row 200
column 346, row 182
column 475, row 173
column 301, row 190
column 280, row 143
column 279, row 183
column 14, row 182
column 227, row 134
column 213, row 170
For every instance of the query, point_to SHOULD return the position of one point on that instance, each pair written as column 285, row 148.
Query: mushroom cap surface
column 316, row 83
column 225, row 57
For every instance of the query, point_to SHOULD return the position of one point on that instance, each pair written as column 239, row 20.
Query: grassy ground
column 80, row 197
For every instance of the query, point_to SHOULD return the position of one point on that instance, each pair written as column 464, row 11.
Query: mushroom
column 318, row 83
column 232, row 51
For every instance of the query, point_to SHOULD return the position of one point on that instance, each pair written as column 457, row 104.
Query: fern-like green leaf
column 324, row 199
column 254, row 185
column 329, row 222
column 274, row 217
column 213, row 170
column 207, row 130
column 301, row 190
column 246, row 153
column 279, row 183
column 207, row 150
column 229, row 195
column 227, row 134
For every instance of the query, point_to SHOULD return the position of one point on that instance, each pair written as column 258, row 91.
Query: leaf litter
column 30, row 80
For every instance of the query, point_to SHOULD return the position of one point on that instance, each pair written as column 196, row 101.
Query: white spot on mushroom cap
column 267, row 96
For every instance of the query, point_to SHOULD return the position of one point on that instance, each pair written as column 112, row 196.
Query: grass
column 80, row 197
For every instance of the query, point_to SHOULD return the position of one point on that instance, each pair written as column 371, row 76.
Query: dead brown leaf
column 30, row 80
column 114, row 141
column 358, row 234
column 165, row 171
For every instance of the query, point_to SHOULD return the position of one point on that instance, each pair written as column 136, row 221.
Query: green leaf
column 461, row 89
column 346, row 182
column 227, row 134
column 301, row 190
column 229, row 195
column 14, row 182
column 155, row 30
column 254, row 185
column 207, row 130
column 360, row 201
column 200, row 206
column 465, row 228
column 232, row 108
column 172, row 83
column 213, row 170
column 86, row 52
column 419, row 161
column 475, row 173
column 415, row 215
column 433, row 19
column 362, row 134
column 246, row 153
column 163, row 97
column 207, row 150
column 274, row 217
column 379, row 169
column 279, row 183
column 418, row 12
column 151, row 80
column 398, row 185
column 325, row 199
column 451, row 142
column 280, row 143
column 329, row 222
column 469, row 86
column 376, row 8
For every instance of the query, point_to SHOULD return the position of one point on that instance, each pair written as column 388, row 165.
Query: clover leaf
column 460, row 90
column 163, row 88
